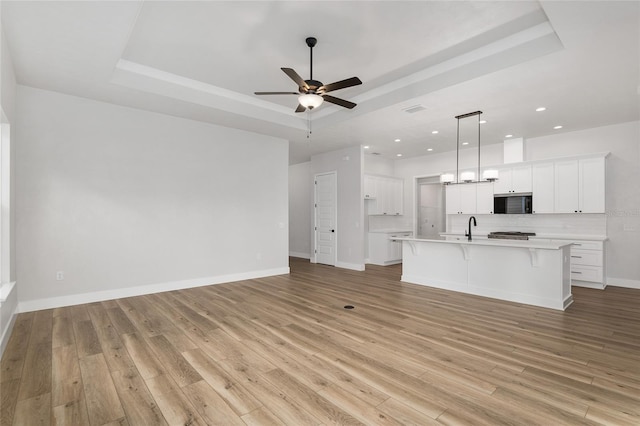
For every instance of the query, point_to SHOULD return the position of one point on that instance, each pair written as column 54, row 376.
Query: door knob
column 333, row 230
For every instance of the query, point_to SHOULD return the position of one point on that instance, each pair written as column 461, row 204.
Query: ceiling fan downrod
column 311, row 42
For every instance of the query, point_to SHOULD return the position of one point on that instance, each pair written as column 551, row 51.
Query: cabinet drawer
column 588, row 245
column 586, row 273
column 586, row 257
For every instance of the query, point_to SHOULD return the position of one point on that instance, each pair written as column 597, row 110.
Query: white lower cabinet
column 587, row 263
column 383, row 250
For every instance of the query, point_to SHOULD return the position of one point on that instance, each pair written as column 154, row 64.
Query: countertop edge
column 527, row 244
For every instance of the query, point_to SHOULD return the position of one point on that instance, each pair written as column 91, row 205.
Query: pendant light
column 468, row 176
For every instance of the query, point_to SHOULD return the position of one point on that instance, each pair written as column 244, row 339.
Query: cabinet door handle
column 577, row 257
column 576, row 272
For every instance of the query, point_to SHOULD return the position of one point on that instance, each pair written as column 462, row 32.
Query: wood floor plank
column 210, row 405
column 103, row 404
column 8, row 400
column 261, row 389
column 405, row 414
column 120, row 321
column 37, row 367
column 73, row 413
column 365, row 413
column 144, row 358
column 310, row 400
column 173, row 361
column 113, row 349
column 138, row 404
column 176, row 408
column 62, row 330
column 261, row 416
column 33, row 411
column 16, row 350
column 66, row 376
column 87, row 342
column 282, row 350
column 234, row 394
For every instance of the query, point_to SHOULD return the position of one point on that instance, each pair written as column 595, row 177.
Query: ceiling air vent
column 413, row 109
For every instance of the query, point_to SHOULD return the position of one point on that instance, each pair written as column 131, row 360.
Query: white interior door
column 325, row 218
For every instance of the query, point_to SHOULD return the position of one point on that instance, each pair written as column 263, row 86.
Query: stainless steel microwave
column 513, row 203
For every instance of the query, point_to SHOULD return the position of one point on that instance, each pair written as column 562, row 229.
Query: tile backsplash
column 560, row 224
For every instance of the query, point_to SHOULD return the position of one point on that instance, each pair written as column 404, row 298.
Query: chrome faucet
column 468, row 234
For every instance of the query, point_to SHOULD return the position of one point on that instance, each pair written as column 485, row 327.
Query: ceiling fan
column 311, row 93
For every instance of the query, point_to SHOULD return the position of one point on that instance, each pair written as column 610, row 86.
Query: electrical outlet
column 59, row 275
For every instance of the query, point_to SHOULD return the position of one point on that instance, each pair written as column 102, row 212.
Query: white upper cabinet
column 579, row 186
column 543, row 187
column 591, row 173
column 463, row 198
column 514, row 179
column 484, row 198
column 370, row 187
column 452, row 193
column 566, row 186
column 385, row 195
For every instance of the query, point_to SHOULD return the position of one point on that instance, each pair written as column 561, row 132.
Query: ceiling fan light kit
column 310, row 100
column 312, row 93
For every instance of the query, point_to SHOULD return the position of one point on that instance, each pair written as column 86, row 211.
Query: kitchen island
column 531, row 272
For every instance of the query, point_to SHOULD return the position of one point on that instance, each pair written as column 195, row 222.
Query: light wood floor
column 283, row 350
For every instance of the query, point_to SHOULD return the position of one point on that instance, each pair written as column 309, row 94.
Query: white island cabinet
column 530, row 272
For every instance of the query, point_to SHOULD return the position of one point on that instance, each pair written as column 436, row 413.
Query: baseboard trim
column 99, row 296
column 622, row 282
column 352, row 266
column 299, row 254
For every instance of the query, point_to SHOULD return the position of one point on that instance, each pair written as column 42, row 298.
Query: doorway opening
column 430, row 206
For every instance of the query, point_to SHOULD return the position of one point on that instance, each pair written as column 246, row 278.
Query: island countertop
column 531, row 244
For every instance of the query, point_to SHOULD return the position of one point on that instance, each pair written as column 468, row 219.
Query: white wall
column 300, row 201
column 378, row 165
column 348, row 163
column 622, row 219
column 129, row 202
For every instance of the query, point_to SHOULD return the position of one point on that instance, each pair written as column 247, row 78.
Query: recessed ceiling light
column 465, row 143
column 398, row 155
column 508, row 136
column 435, row 132
column 429, row 149
column 483, row 121
column 396, row 140
column 366, row 147
column 557, row 127
column 540, row 109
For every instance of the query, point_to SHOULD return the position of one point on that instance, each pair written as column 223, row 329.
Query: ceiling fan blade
column 300, row 108
column 276, row 93
column 342, row 84
column 338, row 101
column 295, row 77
